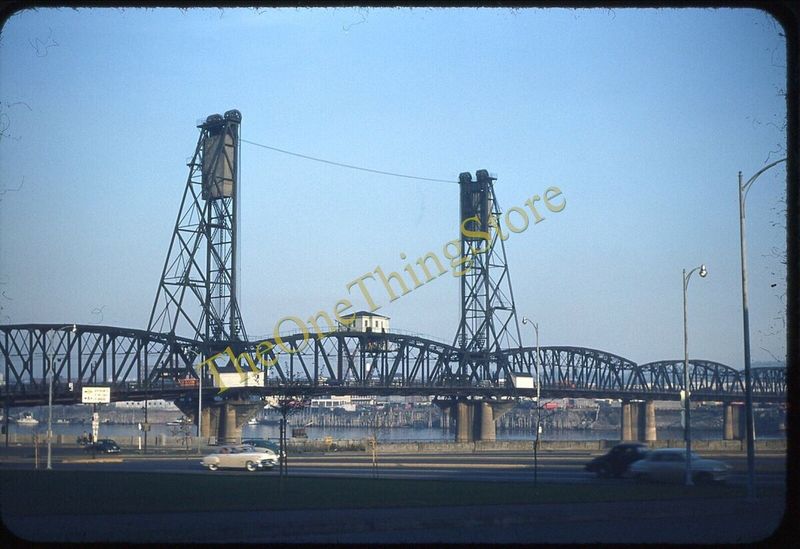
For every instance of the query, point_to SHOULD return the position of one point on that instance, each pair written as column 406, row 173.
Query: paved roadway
column 553, row 466
column 710, row 521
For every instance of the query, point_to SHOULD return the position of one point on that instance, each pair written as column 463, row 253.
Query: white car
column 240, row 457
column 669, row 465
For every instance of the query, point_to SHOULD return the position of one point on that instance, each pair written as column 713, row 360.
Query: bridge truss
column 138, row 365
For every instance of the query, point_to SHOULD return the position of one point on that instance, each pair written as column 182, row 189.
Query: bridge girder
column 138, row 364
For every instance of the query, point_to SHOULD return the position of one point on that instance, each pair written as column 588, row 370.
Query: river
column 356, row 433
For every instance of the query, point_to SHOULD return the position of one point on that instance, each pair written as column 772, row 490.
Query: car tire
column 213, row 466
column 703, row 478
column 251, row 466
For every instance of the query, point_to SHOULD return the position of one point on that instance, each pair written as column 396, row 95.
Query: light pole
column 748, row 387
column 525, row 320
column 687, row 427
column 51, row 373
column 200, row 409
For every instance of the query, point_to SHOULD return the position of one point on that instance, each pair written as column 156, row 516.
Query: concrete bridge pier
column 446, row 406
column 210, row 418
column 475, row 419
column 465, row 417
column 638, row 421
column 650, row 433
column 222, row 420
column 733, row 422
column 625, row 421
column 490, row 412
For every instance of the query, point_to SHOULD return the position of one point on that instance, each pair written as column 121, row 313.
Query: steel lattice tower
column 488, row 317
column 202, row 264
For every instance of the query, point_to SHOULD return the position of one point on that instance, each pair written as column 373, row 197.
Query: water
column 420, row 434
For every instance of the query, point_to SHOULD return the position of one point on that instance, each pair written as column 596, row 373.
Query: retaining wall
column 316, row 445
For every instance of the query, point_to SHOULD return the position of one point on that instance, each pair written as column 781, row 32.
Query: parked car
column 264, row 445
column 669, row 465
column 103, row 446
column 617, row 461
column 240, row 457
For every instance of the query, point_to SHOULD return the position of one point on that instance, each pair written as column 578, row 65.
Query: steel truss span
column 138, row 364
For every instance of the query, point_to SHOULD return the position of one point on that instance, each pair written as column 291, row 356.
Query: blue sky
column 641, row 117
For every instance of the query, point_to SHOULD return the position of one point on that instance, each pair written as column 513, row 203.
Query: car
column 103, row 446
column 669, row 465
column 240, row 457
column 617, row 460
column 264, row 445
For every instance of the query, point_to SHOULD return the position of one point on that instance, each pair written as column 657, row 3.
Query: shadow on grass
column 101, row 492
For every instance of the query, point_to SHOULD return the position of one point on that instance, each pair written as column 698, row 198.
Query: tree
column 288, row 403
column 377, row 423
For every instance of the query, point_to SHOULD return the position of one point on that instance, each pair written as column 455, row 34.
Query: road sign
column 96, row 395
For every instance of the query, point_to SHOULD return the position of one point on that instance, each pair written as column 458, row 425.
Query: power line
column 346, row 165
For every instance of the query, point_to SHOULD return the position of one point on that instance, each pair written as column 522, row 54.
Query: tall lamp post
column 748, row 386
column 51, row 374
column 687, row 427
column 525, row 320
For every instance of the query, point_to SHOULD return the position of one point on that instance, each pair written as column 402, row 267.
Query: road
column 711, row 521
column 555, row 466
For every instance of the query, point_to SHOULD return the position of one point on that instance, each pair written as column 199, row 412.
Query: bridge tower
column 488, row 318
column 198, row 287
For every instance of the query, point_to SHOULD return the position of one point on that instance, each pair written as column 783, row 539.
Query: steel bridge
column 197, row 295
column 140, row 365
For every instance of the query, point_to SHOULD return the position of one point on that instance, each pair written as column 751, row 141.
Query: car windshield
column 264, row 444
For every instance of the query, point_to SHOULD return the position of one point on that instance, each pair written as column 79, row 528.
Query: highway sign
column 95, row 395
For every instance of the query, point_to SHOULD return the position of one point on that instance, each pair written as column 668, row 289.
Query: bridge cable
column 340, row 164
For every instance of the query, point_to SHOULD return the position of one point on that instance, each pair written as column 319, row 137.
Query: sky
column 641, row 117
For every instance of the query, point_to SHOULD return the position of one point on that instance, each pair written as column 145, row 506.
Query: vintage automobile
column 617, row 460
column 103, row 446
column 240, row 457
column 669, row 465
column 264, row 445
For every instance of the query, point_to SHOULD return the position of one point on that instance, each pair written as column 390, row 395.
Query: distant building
column 156, row 404
column 361, row 400
column 345, row 402
column 364, row 321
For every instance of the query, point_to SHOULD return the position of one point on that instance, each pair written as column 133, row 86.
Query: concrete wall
column 551, row 445
column 313, row 445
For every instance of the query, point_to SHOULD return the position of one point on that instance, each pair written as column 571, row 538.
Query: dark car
column 103, row 446
column 617, row 460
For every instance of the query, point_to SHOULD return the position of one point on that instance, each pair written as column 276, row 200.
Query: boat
column 27, row 419
column 179, row 421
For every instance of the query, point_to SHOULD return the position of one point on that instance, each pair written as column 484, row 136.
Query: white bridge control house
column 364, row 321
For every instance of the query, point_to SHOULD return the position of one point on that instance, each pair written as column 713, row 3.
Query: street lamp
column 200, row 410
column 525, row 320
column 687, row 427
column 748, row 386
column 51, row 372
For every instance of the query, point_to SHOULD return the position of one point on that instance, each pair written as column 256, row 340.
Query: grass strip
column 100, row 492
